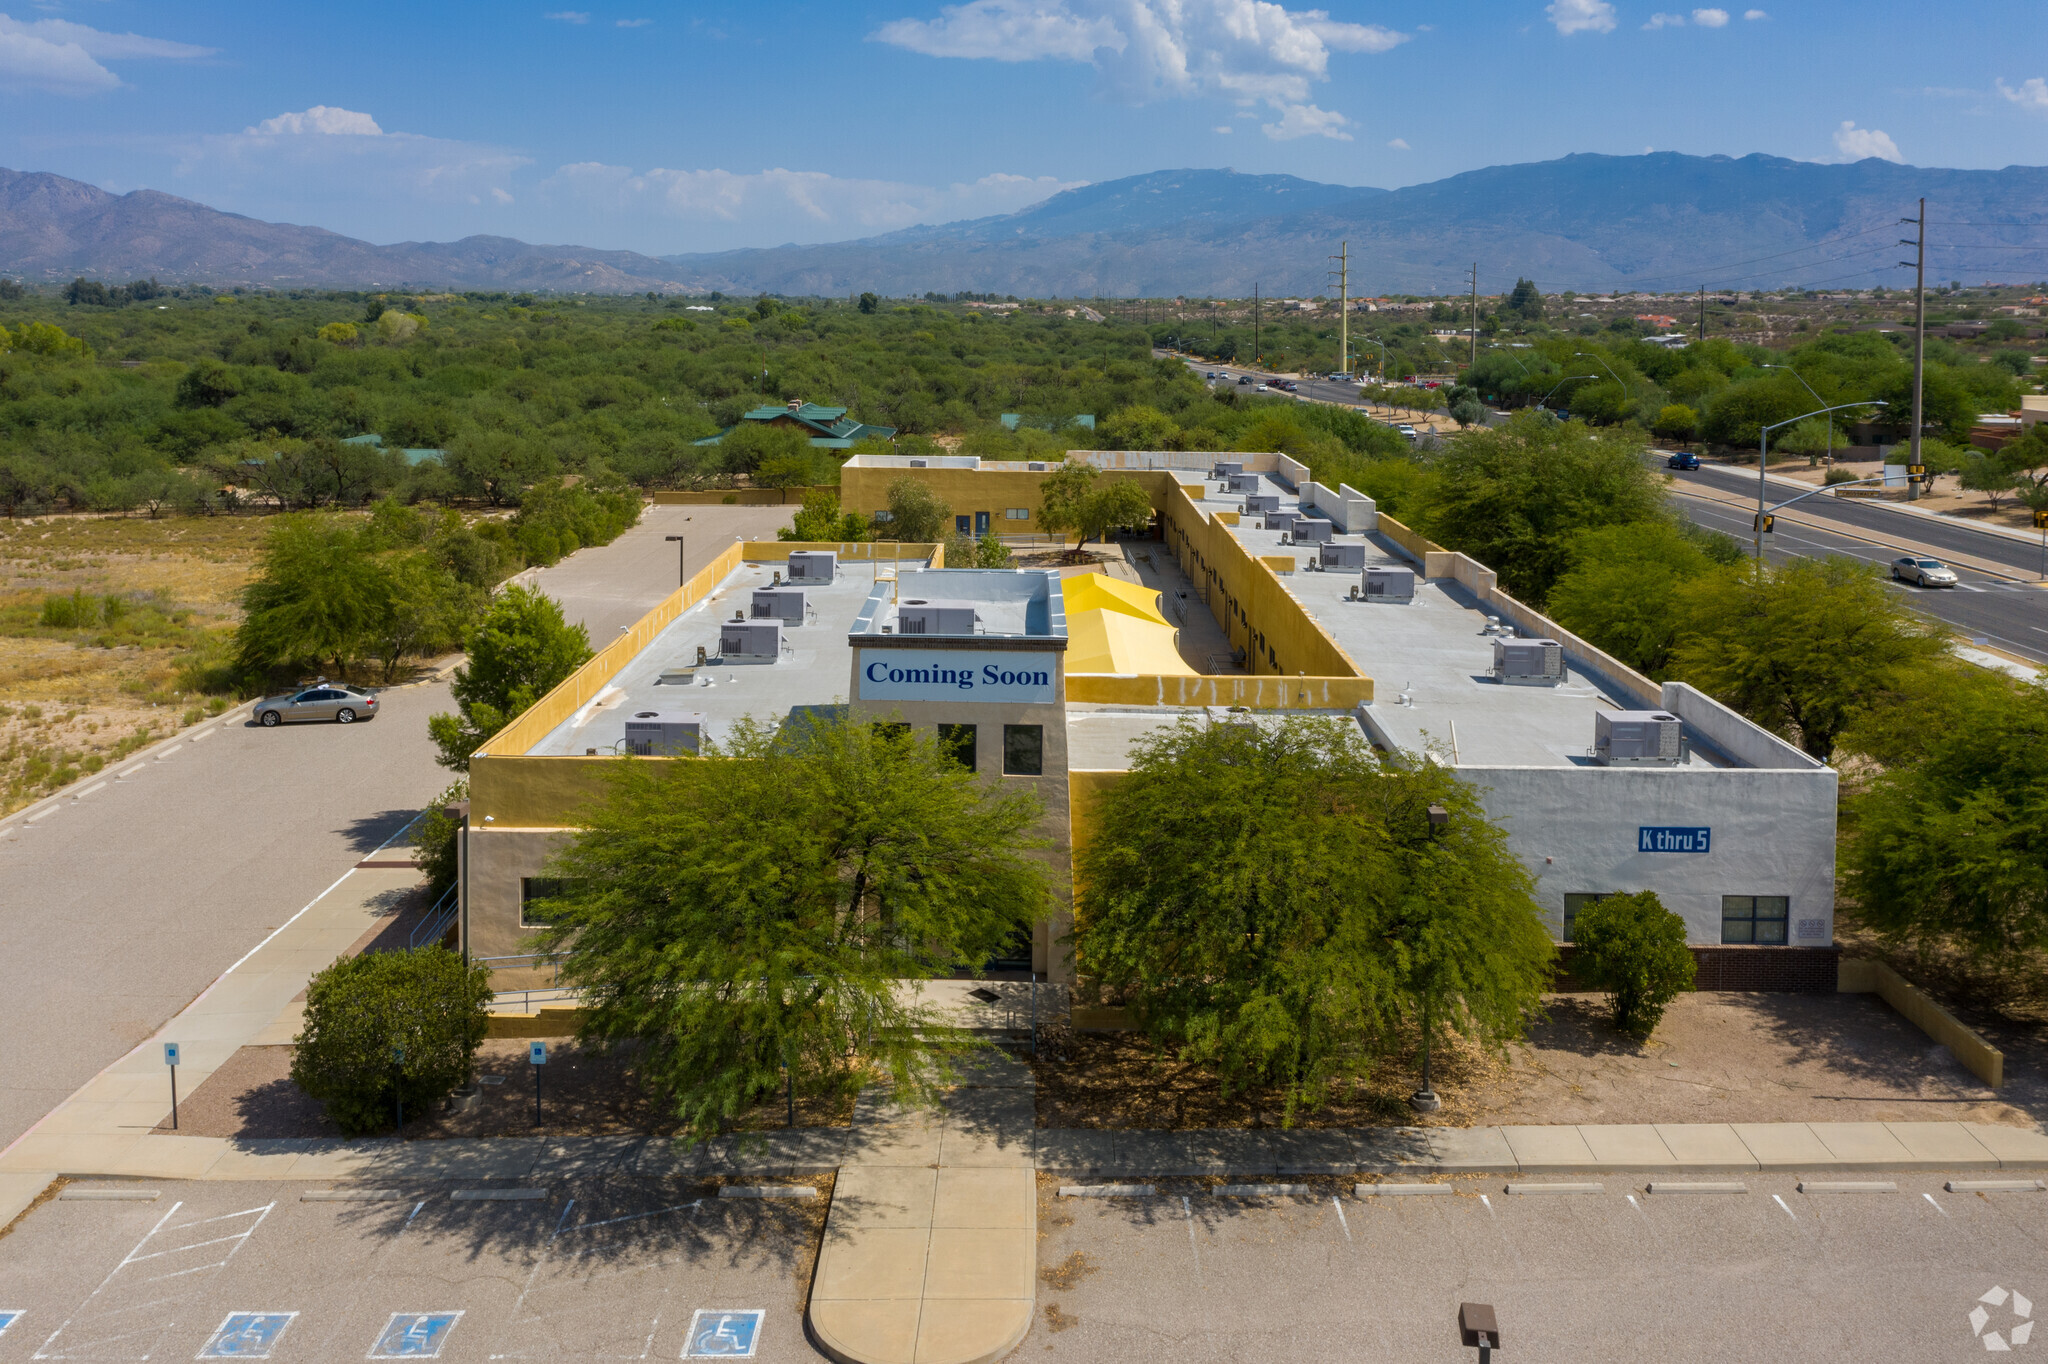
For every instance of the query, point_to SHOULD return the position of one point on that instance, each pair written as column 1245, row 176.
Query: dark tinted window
column 957, row 743
column 1024, row 750
column 535, row 891
column 1754, row 918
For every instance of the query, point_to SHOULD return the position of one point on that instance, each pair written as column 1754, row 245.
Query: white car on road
column 1925, row 572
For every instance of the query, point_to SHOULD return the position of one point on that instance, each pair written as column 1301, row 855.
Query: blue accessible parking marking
column 247, row 1335
column 724, row 1335
column 414, row 1335
column 8, row 1319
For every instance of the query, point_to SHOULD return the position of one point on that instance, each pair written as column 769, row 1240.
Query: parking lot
column 1771, row 1274
column 593, row 1270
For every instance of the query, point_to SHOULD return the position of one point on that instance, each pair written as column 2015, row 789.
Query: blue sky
column 693, row 127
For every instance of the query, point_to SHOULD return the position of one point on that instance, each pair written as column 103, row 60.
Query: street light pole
column 682, row 564
column 1816, row 397
column 1763, row 459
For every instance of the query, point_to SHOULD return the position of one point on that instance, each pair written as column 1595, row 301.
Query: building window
column 1016, row 513
column 1023, row 750
column 535, row 891
column 957, row 743
column 1755, row 918
column 881, row 516
column 1574, row 903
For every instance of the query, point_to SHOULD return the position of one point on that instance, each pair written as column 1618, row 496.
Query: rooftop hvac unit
column 1227, row 468
column 1528, row 662
column 654, row 733
column 1259, row 504
column 750, row 641
column 1312, row 530
column 785, row 604
column 918, row 616
column 813, row 565
column 1387, row 584
column 1282, row 521
column 1244, row 483
column 1638, row 738
column 1342, row 556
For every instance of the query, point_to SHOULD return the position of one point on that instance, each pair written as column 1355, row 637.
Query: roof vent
column 796, row 404
column 1638, row 738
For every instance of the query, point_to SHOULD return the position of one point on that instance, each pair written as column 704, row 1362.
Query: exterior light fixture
column 1478, row 1329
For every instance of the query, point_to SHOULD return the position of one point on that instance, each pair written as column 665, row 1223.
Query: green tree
column 1139, row 427
column 1800, row 647
column 1071, row 500
column 388, row 1027
column 1633, row 948
column 736, row 932
column 428, row 610
column 319, row 596
column 1525, row 302
column 1621, row 593
column 1676, row 421
column 1273, row 901
column 916, row 515
column 751, row 445
column 1513, row 496
column 820, row 520
column 520, row 650
column 869, row 302
column 438, row 835
column 1989, row 475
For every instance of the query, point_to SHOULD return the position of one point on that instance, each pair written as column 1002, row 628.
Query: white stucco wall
column 1575, row 828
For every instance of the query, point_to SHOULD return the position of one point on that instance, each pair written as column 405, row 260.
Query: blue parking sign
column 247, row 1335
column 414, row 1335
column 724, row 1335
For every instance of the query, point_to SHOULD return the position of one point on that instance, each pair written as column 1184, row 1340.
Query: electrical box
column 1333, row 555
column 1389, row 584
column 1313, row 530
column 813, row 565
column 1259, row 504
column 750, row 641
column 1528, row 662
column 1244, row 483
column 785, row 604
column 1638, row 738
column 1227, row 468
column 921, row 616
column 656, row 733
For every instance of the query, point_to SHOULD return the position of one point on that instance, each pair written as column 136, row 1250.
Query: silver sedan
column 322, row 701
column 1925, row 572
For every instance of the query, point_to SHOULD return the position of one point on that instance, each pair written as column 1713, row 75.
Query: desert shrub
column 1633, row 948
column 390, row 1026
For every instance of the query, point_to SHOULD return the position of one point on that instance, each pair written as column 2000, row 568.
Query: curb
column 185, row 734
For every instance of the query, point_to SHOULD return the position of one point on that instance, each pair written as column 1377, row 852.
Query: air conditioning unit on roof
column 813, row 565
column 1638, row 738
column 750, row 641
column 919, row 616
column 654, row 733
column 1244, row 483
column 785, row 604
column 1227, row 468
column 1389, row 584
column 1528, row 662
column 1334, row 555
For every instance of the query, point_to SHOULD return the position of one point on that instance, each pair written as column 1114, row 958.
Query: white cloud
column 500, row 195
column 321, row 118
column 1305, row 120
column 1223, row 128
column 1710, row 18
column 1254, row 52
column 1754, row 14
column 1658, row 21
column 1581, row 16
column 1399, row 144
column 570, row 16
column 2031, row 93
column 1857, row 143
column 785, row 205
column 64, row 58
column 634, row 23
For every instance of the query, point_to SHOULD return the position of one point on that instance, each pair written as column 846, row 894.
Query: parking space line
column 169, row 751
column 96, row 786
column 44, row 1353
column 204, row 734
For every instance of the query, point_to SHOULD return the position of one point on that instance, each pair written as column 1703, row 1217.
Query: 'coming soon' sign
column 957, row 675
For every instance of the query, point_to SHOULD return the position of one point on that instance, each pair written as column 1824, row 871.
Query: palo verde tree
column 744, row 936
column 1276, row 902
column 520, row 651
column 1071, row 500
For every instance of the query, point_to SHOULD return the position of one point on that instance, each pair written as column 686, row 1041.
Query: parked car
column 1405, row 429
column 1925, row 572
column 321, row 701
column 1682, row 460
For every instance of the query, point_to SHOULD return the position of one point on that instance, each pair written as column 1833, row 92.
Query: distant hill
column 1661, row 221
column 52, row 228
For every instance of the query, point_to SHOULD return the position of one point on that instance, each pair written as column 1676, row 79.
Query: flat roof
column 816, row 671
column 1014, row 604
column 1435, row 653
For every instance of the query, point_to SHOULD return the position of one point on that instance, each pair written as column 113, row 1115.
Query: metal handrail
column 547, row 995
column 437, row 920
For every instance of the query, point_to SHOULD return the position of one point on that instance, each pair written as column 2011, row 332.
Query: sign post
column 2041, row 524
column 537, row 1053
column 171, row 1060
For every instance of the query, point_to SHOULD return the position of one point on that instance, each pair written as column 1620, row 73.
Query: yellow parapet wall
column 1979, row 1057
column 907, row 553
column 1260, row 693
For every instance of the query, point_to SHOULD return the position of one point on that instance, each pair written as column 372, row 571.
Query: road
column 607, row 588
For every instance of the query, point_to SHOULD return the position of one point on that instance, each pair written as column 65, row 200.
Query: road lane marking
column 96, row 786
column 43, row 813
column 169, row 751
column 205, row 734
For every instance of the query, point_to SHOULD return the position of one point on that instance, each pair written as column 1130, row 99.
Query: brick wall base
column 1778, row 970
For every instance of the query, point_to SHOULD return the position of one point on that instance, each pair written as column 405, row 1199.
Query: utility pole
column 1343, row 273
column 1475, row 313
column 1703, row 312
column 1256, row 353
column 1919, row 264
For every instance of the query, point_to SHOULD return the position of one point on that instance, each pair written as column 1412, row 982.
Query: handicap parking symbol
column 8, row 1319
column 247, row 1335
column 414, row 1335
column 724, row 1335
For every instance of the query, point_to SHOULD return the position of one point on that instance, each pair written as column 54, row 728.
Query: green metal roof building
column 829, row 427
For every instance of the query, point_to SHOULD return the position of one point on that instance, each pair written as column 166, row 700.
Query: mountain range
column 1661, row 221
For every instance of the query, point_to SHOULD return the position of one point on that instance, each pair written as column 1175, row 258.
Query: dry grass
column 71, row 705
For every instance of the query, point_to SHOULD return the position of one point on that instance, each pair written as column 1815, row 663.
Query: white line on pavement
column 131, row 771
column 41, row 814
column 96, row 786
column 204, row 734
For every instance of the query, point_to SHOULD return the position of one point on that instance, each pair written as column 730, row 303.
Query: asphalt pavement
column 120, row 902
column 608, row 587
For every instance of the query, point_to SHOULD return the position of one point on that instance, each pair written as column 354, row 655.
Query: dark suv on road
column 1682, row 460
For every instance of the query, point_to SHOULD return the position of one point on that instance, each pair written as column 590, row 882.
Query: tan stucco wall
column 498, row 858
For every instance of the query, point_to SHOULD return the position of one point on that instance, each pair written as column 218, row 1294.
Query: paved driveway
column 594, row 1270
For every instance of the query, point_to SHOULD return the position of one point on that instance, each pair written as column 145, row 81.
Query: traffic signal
column 1770, row 523
column 2041, row 519
column 1916, row 471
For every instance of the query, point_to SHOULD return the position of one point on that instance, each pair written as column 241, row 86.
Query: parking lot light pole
column 682, row 571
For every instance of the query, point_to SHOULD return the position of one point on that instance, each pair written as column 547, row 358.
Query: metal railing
column 435, row 924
